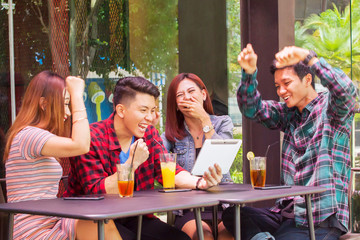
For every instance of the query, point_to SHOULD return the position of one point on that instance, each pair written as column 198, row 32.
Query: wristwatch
column 310, row 56
column 207, row 128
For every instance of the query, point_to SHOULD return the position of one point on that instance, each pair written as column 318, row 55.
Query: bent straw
column 267, row 150
column 162, row 147
column 131, row 167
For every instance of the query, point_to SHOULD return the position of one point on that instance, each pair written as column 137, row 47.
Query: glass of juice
column 168, row 166
column 258, row 171
column 125, row 176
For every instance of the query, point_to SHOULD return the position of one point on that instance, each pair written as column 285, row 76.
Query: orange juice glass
column 168, row 166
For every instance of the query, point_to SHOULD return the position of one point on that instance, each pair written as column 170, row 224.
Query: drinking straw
column 132, row 159
column 267, row 150
column 131, row 167
column 162, row 147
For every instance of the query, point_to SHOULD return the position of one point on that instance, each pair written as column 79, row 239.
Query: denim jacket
column 185, row 148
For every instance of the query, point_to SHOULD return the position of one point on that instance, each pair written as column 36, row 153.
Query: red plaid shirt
column 88, row 171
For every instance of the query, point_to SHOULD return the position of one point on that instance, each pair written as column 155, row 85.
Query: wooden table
column 147, row 202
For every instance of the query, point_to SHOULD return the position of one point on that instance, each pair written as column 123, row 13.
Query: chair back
column 354, row 200
column 4, row 217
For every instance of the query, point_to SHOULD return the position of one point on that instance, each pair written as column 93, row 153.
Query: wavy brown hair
column 51, row 87
column 174, row 127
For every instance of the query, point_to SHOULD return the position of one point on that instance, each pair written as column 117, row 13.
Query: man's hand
column 141, row 153
column 290, row 55
column 211, row 178
column 111, row 184
column 248, row 59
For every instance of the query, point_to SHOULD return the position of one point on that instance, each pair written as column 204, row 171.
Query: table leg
column 310, row 216
column 237, row 222
column 199, row 228
column 11, row 226
column 138, row 233
column 101, row 230
column 215, row 221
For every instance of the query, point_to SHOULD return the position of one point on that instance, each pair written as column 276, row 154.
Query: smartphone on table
column 85, row 197
column 268, row 187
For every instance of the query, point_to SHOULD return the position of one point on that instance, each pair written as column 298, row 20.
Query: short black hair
column 126, row 89
column 300, row 69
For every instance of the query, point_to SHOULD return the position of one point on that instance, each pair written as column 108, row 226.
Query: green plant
column 234, row 44
column 236, row 168
column 157, row 185
column 328, row 34
column 237, row 176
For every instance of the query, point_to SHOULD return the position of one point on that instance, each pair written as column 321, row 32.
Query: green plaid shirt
column 315, row 148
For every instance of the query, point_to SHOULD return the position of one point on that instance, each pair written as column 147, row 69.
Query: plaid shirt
column 316, row 148
column 88, row 171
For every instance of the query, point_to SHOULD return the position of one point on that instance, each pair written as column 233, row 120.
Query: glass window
column 234, row 75
column 98, row 40
column 331, row 29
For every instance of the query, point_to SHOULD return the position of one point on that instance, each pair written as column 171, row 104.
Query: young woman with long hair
column 39, row 136
column 190, row 120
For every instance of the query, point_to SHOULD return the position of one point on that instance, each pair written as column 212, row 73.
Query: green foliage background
column 234, row 44
column 328, row 34
column 236, row 169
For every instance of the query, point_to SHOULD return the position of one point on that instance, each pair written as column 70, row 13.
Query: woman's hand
column 75, row 86
column 211, row 178
column 194, row 109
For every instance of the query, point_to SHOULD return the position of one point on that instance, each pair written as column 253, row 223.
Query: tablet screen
column 220, row 151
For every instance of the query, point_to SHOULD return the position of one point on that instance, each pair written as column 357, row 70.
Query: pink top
column 31, row 176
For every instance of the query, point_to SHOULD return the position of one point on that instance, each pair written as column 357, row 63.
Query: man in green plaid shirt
column 315, row 148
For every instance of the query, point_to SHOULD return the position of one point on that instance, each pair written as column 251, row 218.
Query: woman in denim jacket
column 190, row 120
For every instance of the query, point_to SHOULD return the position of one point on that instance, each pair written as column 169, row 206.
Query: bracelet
column 79, row 120
column 197, row 184
column 80, row 110
column 310, row 56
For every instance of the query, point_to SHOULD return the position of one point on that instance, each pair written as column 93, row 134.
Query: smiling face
column 188, row 89
column 137, row 114
column 292, row 89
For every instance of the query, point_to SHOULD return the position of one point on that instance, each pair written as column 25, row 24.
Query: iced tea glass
column 125, row 176
column 258, row 171
column 168, row 166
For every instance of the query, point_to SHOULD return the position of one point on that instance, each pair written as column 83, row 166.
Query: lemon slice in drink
column 250, row 155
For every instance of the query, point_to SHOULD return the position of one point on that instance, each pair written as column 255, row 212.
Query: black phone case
column 273, row 187
column 84, row 198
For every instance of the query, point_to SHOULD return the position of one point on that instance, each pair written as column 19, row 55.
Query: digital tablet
column 220, row 151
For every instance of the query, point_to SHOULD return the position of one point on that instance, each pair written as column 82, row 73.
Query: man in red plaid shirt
column 113, row 141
